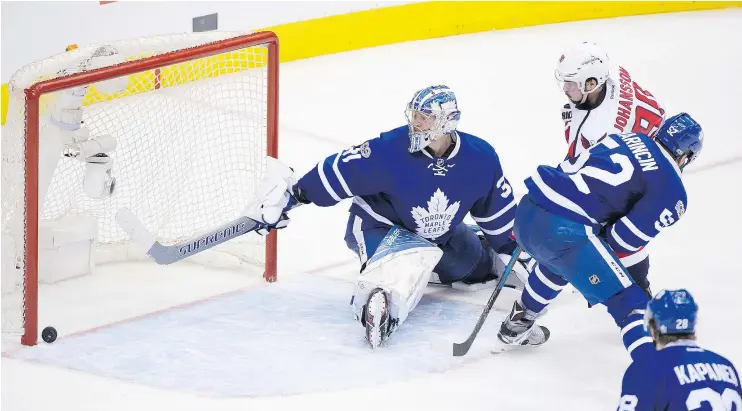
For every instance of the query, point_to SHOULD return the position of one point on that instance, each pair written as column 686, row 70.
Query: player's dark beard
column 587, row 105
column 575, row 102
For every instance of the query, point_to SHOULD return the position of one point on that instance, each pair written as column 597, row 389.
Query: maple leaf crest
column 436, row 220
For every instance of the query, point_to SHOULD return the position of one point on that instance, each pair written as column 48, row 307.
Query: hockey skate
column 376, row 318
column 518, row 330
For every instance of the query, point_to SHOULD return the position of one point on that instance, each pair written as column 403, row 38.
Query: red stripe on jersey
column 622, row 255
column 572, row 148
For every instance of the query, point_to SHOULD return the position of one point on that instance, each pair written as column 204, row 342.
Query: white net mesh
column 191, row 142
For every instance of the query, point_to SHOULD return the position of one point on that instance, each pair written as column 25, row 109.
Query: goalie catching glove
column 276, row 195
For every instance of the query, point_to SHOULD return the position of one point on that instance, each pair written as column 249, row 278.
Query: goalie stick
column 460, row 349
column 168, row 254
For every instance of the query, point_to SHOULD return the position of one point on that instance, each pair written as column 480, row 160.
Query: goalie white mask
column 578, row 65
column 431, row 113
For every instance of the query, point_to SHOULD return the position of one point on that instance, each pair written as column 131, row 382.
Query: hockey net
column 192, row 127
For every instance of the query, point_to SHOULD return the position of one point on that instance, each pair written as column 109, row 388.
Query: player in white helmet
column 605, row 99
column 582, row 71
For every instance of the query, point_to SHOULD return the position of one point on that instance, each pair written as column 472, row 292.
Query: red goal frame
column 34, row 93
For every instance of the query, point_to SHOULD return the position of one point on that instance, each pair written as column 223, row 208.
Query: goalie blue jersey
column 626, row 184
column 681, row 376
column 425, row 194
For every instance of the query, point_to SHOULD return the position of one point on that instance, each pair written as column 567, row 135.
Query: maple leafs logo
column 436, row 220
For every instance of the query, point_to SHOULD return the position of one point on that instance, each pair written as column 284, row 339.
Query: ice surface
column 250, row 343
column 507, row 94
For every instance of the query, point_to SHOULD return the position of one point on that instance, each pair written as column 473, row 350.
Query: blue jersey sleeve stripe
column 340, row 176
column 559, row 199
column 621, row 242
column 497, row 214
column 630, row 225
column 547, row 282
column 640, row 341
column 631, row 325
column 500, row 230
column 536, row 296
column 634, row 258
column 496, row 224
column 325, row 182
column 367, row 208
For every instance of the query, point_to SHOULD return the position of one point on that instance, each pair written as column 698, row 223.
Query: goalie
column 411, row 188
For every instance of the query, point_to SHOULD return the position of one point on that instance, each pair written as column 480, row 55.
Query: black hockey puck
column 49, row 334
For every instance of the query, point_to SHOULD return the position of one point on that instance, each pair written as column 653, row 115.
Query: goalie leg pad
column 401, row 266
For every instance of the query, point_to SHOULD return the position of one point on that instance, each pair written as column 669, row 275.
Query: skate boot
column 376, row 317
column 518, row 329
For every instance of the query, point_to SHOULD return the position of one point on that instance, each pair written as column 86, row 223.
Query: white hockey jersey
column 625, row 108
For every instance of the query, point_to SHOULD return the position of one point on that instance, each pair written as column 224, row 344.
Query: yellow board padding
column 5, row 97
column 137, row 83
column 226, row 63
column 419, row 21
column 397, row 24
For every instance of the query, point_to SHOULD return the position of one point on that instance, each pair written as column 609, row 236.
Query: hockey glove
column 274, row 198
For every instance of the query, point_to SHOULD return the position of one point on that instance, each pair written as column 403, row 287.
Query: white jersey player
column 605, row 99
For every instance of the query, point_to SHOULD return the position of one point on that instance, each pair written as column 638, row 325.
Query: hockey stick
column 460, row 349
column 168, row 254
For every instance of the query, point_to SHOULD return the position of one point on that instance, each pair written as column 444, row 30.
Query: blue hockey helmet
column 673, row 312
column 432, row 112
column 681, row 136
